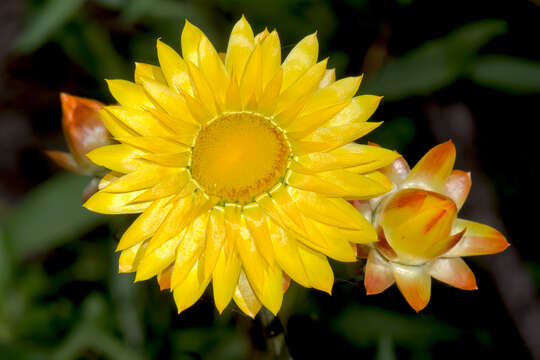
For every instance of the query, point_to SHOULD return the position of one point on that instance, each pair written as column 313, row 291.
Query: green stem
column 274, row 334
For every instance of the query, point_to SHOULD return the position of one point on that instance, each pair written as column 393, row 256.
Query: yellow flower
column 239, row 167
column 419, row 233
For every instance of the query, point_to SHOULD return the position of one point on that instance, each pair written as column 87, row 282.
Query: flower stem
column 274, row 335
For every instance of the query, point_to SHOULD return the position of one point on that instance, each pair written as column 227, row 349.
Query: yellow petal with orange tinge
column 341, row 183
column 189, row 291
column 332, row 211
column 156, row 260
column 143, row 122
column 479, row 239
column 272, row 294
column 458, row 186
column 328, row 78
column 271, row 55
column 140, row 179
column 287, row 256
column 153, row 144
column 202, row 91
column 251, row 82
column 329, row 138
column 378, row 274
column 115, row 126
column 301, row 88
column 164, row 278
column 227, row 270
column 190, row 39
column 337, row 92
column 130, row 258
column 109, row 203
column 417, row 224
column 256, row 222
column 363, row 158
column 360, row 109
column 241, row 44
column 170, row 185
column 215, row 237
column 432, row 171
column 414, row 283
column 189, row 250
column 129, row 94
column 213, row 69
column 145, row 225
column 173, row 104
column 245, row 297
column 453, row 271
column 303, row 56
column 148, row 71
column 174, row 68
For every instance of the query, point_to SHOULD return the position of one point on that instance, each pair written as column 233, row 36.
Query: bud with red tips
column 419, row 234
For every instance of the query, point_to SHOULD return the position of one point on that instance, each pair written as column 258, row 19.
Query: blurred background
column 460, row 69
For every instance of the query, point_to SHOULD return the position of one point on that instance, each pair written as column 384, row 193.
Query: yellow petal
column 433, row 170
column 203, row 91
column 107, row 179
column 245, row 297
column 479, row 239
column 130, row 258
column 145, row 225
column 270, row 95
column 213, row 69
column 359, row 109
column 252, row 261
column 164, row 278
column 176, row 160
column 189, row 250
column 215, row 238
column 331, row 211
column 241, row 43
column 329, row 138
column 140, row 179
column 143, row 122
column 189, row 291
column 341, row 183
column 378, row 274
column 317, row 268
column 272, row 296
column 129, row 94
column 174, row 68
column 233, row 99
column 300, row 59
column 170, row 185
column 305, row 124
column 109, row 203
column 228, row 266
column 173, row 104
column 259, row 38
column 453, row 271
column 364, row 236
column 333, row 245
column 190, row 39
column 414, row 282
column 251, row 83
column 363, row 158
column 119, row 157
column 148, row 71
column 115, row 126
column 338, row 92
column 328, row 78
column 271, row 55
column 257, row 223
column 153, row 144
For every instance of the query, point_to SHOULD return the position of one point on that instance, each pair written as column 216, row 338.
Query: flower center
column 239, row 156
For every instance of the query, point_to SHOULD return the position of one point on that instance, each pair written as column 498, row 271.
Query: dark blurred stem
column 274, row 335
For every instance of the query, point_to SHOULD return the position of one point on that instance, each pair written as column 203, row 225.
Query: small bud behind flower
column 84, row 131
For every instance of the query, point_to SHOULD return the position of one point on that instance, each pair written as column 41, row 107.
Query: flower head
column 419, row 234
column 239, row 167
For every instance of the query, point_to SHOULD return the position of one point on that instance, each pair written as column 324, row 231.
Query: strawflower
column 419, row 233
column 240, row 166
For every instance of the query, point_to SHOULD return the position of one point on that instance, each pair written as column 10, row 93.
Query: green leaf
column 50, row 215
column 436, row 64
column 510, row 74
column 365, row 326
column 47, row 19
